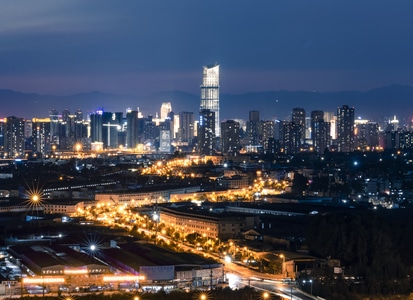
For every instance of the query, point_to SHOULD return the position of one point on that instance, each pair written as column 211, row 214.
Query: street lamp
column 266, row 295
column 283, row 264
column 203, row 297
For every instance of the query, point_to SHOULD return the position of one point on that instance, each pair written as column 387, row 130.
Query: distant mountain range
column 373, row 104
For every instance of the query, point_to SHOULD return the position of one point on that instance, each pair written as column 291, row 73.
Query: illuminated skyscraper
column 14, row 141
column 186, row 127
column 253, row 127
column 132, row 120
column 320, row 131
column 96, row 126
column 290, row 137
column 206, row 132
column 41, row 135
column 54, row 126
column 298, row 117
column 230, row 140
column 210, row 93
column 345, row 129
column 166, row 108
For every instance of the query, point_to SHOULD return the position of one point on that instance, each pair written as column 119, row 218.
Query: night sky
column 144, row 46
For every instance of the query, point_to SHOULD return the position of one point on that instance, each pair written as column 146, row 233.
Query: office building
column 210, row 93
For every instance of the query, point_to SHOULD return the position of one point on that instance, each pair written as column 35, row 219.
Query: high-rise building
column 107, row 123
column 316, row 116
column 345, row 129
column 186, row 127
column 165, row 141
column 298, row 117
column 210, row 93
column 96, row 126
column 2, row 135
column 367, row 135
column 332, row 119
column 253, row 127
column 14, row 141
column 41, row 135
column 166, row 108
column 230, row 137
column 320, row 132
column 405, row 139
column 54, row 126
column 112, row 125
column 290, row 135
column 132, row 139
column 267, row 129
column 79, row 115
column 206, row 129
column 80, row 131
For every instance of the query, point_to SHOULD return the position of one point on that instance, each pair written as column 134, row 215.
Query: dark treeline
column 374, row 248
column 246, row 293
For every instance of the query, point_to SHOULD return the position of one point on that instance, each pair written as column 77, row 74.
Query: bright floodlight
column 35, row 198
column 93, row 247
column 155, row 217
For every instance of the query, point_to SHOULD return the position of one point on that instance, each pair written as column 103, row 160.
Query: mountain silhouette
column 372, row 104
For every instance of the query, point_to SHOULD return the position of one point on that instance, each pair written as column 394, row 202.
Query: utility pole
column 210, row 284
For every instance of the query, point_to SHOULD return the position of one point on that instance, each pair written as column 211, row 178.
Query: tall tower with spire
column 210, row 93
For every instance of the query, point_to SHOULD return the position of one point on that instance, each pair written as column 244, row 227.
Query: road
column 239, row 276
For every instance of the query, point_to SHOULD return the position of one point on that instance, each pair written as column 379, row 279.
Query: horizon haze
column 376, row 104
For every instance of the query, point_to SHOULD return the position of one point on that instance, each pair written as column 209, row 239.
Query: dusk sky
column 140, row 47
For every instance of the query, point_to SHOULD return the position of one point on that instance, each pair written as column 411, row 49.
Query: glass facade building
column 210, row 93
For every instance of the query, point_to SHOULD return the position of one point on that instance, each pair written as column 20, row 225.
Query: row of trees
column 246, row 293
column 373, row 247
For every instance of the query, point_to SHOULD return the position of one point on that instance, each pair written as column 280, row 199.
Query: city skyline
column 140, row 48
column 388, row 102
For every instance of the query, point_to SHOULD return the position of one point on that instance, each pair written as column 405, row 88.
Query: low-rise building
column 207, row 223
